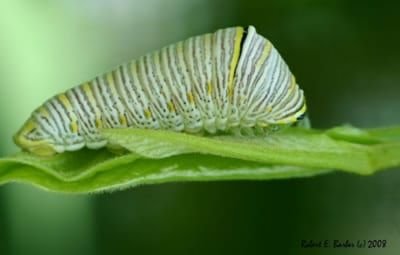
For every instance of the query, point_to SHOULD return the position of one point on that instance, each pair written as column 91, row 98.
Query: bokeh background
column 345, row 55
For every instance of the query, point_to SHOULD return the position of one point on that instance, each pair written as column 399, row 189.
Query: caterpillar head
column 31, row 137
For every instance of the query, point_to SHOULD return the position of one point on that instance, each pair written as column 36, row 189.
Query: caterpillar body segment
column 233, row 79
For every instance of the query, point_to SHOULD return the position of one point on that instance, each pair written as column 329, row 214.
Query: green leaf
column 91, row 171
column 346, row 148
column 157, row 156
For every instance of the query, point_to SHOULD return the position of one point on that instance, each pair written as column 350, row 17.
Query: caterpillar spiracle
column 229, row 80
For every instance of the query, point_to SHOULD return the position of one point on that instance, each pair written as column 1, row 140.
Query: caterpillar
column 232, row 79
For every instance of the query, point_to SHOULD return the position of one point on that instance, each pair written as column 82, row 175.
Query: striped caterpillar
column 230, row 80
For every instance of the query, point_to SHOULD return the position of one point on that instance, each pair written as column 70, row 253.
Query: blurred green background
column 345, row 55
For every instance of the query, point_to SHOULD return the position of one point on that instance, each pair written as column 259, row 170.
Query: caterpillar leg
column 116, row 149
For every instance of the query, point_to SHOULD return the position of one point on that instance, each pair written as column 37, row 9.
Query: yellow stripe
column 74, row 127
column 69, row 109
column 122, row 120
column 43, row 111
column 265, row 54
column 287, row 120
column 147, row 113
column 99, row 123
column 65, row 101
column 303, row 109
column 190, row 97
column 29, row 126
column 89, row 94
column 209, row 88
column 171, row 106
column 235, row 58
column 293, row 118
